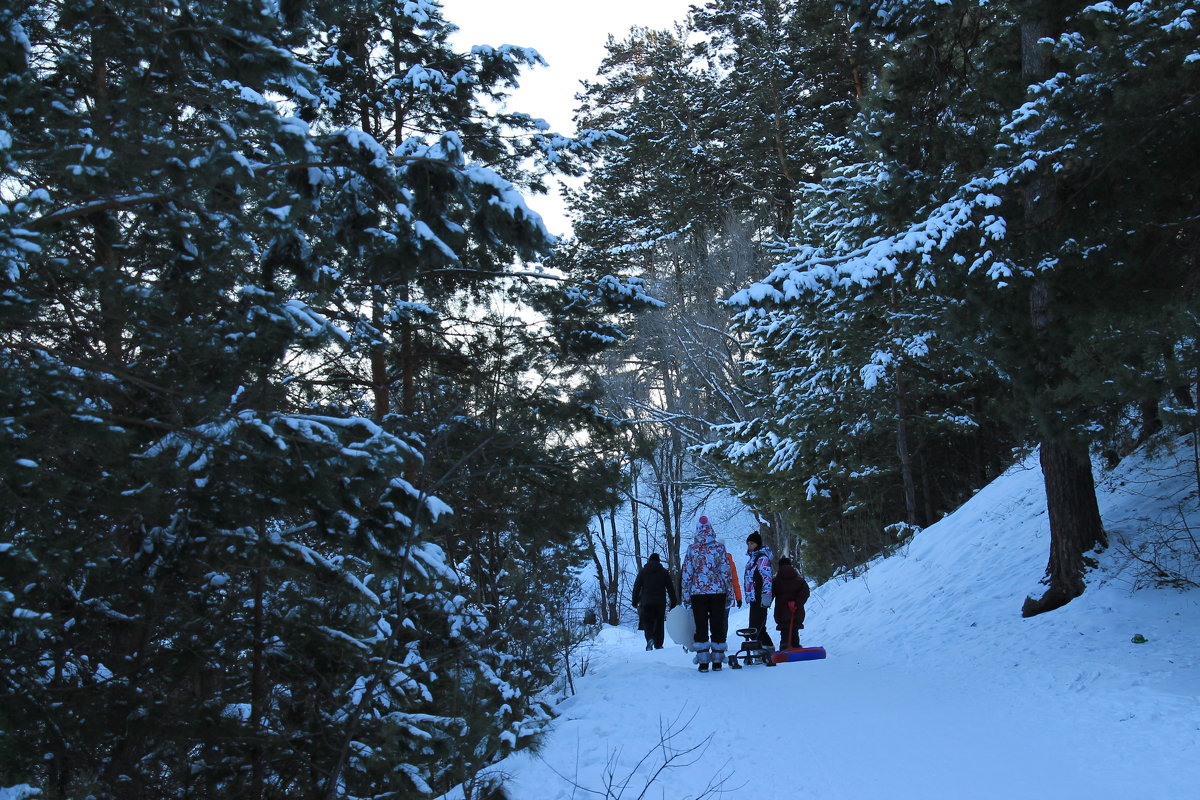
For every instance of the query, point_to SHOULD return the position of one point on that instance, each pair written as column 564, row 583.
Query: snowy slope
column 935, row 686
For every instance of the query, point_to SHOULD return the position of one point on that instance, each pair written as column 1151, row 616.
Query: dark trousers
column 758, row 619
column 791, row 628
column 712, row 621
column 652, row 616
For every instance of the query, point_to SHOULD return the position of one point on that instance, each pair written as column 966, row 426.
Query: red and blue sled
column 798, row 654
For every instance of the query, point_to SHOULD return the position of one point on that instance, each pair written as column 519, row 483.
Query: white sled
column 681, row 627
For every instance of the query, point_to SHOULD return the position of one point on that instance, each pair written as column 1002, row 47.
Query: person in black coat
column 651, row 591
column 791, row 593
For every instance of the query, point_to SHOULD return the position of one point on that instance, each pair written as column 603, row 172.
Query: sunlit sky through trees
column 570, row 36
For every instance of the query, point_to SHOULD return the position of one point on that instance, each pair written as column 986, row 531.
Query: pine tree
column 783, row 84
column 218, row 568
column 1027, row 221
column 870, row 420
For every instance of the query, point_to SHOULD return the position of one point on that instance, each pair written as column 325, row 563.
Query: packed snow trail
column 935, row 687
column 854, row 730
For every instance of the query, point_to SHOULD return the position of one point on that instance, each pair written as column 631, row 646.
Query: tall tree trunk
column 1074, row 514
column 671, row 498
column 903, row 448
column 601, row 576
column 904, row 451
column 786, row 208
column 105, row 227
column 607, row 577
column 614, row 610
column 852, row 57
column 1074, row 523
column 674, row 464
column 408, row 385
column 677, row 488
column 381, row 387
column 112, row 299
column 785, row 541
column 635, row 511
column 258, row 691
column 926, row 492
column 601, row 582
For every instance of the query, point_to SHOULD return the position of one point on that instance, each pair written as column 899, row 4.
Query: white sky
column 570, row 35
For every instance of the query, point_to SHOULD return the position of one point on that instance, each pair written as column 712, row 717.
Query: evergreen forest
column 312, row 436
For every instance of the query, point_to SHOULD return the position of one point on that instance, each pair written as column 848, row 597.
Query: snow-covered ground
column 935, row 687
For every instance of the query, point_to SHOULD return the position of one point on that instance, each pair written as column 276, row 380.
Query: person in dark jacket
column 791, row 593
column 653, row 595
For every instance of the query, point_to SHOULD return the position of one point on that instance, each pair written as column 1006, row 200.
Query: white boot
column 718, row 655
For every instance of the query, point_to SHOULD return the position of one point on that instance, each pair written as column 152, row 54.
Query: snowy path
column 860, row 731
column 934, row 688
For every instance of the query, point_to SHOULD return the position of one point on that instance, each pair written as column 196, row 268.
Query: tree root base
column 1055, row 597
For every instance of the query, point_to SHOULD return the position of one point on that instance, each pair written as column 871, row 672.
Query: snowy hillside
column 935, row 687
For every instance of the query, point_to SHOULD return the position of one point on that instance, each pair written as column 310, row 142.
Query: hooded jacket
column 758, row 574
column 706, row 565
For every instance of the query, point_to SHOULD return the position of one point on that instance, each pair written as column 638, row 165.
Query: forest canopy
column 309, row 425
column 937, row 231
column 282, row 512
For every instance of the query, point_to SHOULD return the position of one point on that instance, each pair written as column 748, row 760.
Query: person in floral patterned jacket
column 759, row 585
column 708, row 591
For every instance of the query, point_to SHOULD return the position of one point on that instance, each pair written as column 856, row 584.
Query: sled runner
column 681, row 627
column 752, row 650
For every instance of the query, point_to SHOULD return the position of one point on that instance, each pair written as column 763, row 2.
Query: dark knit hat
column 785, row 561
column 754, row 537
column 654, row 557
